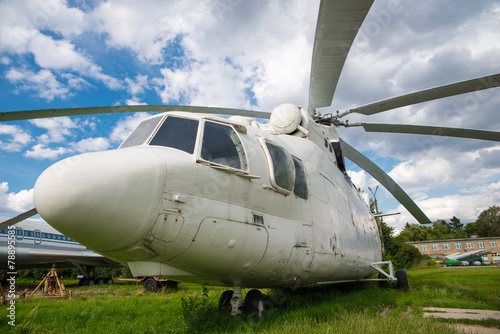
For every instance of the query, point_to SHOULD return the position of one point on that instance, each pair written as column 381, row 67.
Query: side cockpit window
column 178, row 133
column 142, row 132
column 282, row 168
column 300, row 188
column 221, row 145
column 287, row 173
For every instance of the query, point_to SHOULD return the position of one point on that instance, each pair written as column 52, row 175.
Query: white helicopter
column 230, row 201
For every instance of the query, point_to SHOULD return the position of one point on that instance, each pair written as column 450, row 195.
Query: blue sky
column 251, row 55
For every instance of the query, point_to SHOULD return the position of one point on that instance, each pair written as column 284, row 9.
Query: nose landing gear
column 233, row 300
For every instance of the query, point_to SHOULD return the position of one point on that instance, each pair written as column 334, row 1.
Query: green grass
column 346, row 308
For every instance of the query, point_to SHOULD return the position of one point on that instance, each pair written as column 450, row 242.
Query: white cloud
column 19, row 138
column 466, row 205
column 56, row 54
column 41, row 152
column 360, row 179
column 21, row 201
column 57, row 128
column 159, row 21
column 91, row 145
column 137, row 86
column 22, row 27
column 5, row 61
column 44, row 83
column 135, row 102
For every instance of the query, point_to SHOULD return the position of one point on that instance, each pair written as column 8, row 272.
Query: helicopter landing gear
column 233, row 300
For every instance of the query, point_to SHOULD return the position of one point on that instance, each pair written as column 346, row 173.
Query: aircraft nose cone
column 104, row 200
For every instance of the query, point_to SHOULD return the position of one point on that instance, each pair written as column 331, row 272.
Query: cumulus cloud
column 23, row 27
column 41, row 152
column 466, row 205
column 13, row 202
column 44, row 83
column 91, row 145
column 17, row 138
column 57, row 128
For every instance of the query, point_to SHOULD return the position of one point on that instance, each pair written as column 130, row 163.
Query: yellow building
column 452, row 246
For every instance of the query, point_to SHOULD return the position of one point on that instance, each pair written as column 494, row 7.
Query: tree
column 488, row 222
column 414, row 232
column 470, row 229
column 455, row 225
column 441, row 230
column 401, row 254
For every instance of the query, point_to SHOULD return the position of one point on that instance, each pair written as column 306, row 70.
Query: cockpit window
column 178, row 133
column 300, row 189
column 142, row 132
column 283, row 168
column 221, row 145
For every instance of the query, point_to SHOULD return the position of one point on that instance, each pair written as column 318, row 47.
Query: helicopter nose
column 104, row 200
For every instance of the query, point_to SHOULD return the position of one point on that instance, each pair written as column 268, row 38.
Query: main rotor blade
column 456, row 88
column 337, row 26
column 45, row 113
column 385, row 180
column 18, row 218
column 429, row 130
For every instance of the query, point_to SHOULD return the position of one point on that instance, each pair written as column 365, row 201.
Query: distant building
column 452, row 246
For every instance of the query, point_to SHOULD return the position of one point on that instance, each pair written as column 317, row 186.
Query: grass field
column 346, row 308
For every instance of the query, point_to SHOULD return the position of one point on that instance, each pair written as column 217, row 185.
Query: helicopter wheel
column 254, row 303
column 402, row 278
column 225, row 301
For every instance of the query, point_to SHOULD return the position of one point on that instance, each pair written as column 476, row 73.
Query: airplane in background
column 459, row 259
column 38, row 245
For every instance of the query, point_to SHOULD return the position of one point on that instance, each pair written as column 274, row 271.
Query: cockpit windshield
column 220, row 144
column 142, row 132
column 178, row 133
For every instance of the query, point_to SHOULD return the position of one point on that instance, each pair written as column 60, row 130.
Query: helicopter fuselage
column 217, row 201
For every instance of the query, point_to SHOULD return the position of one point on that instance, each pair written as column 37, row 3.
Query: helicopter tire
column 402, row 280
column 225, row 301
column 254, row 303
